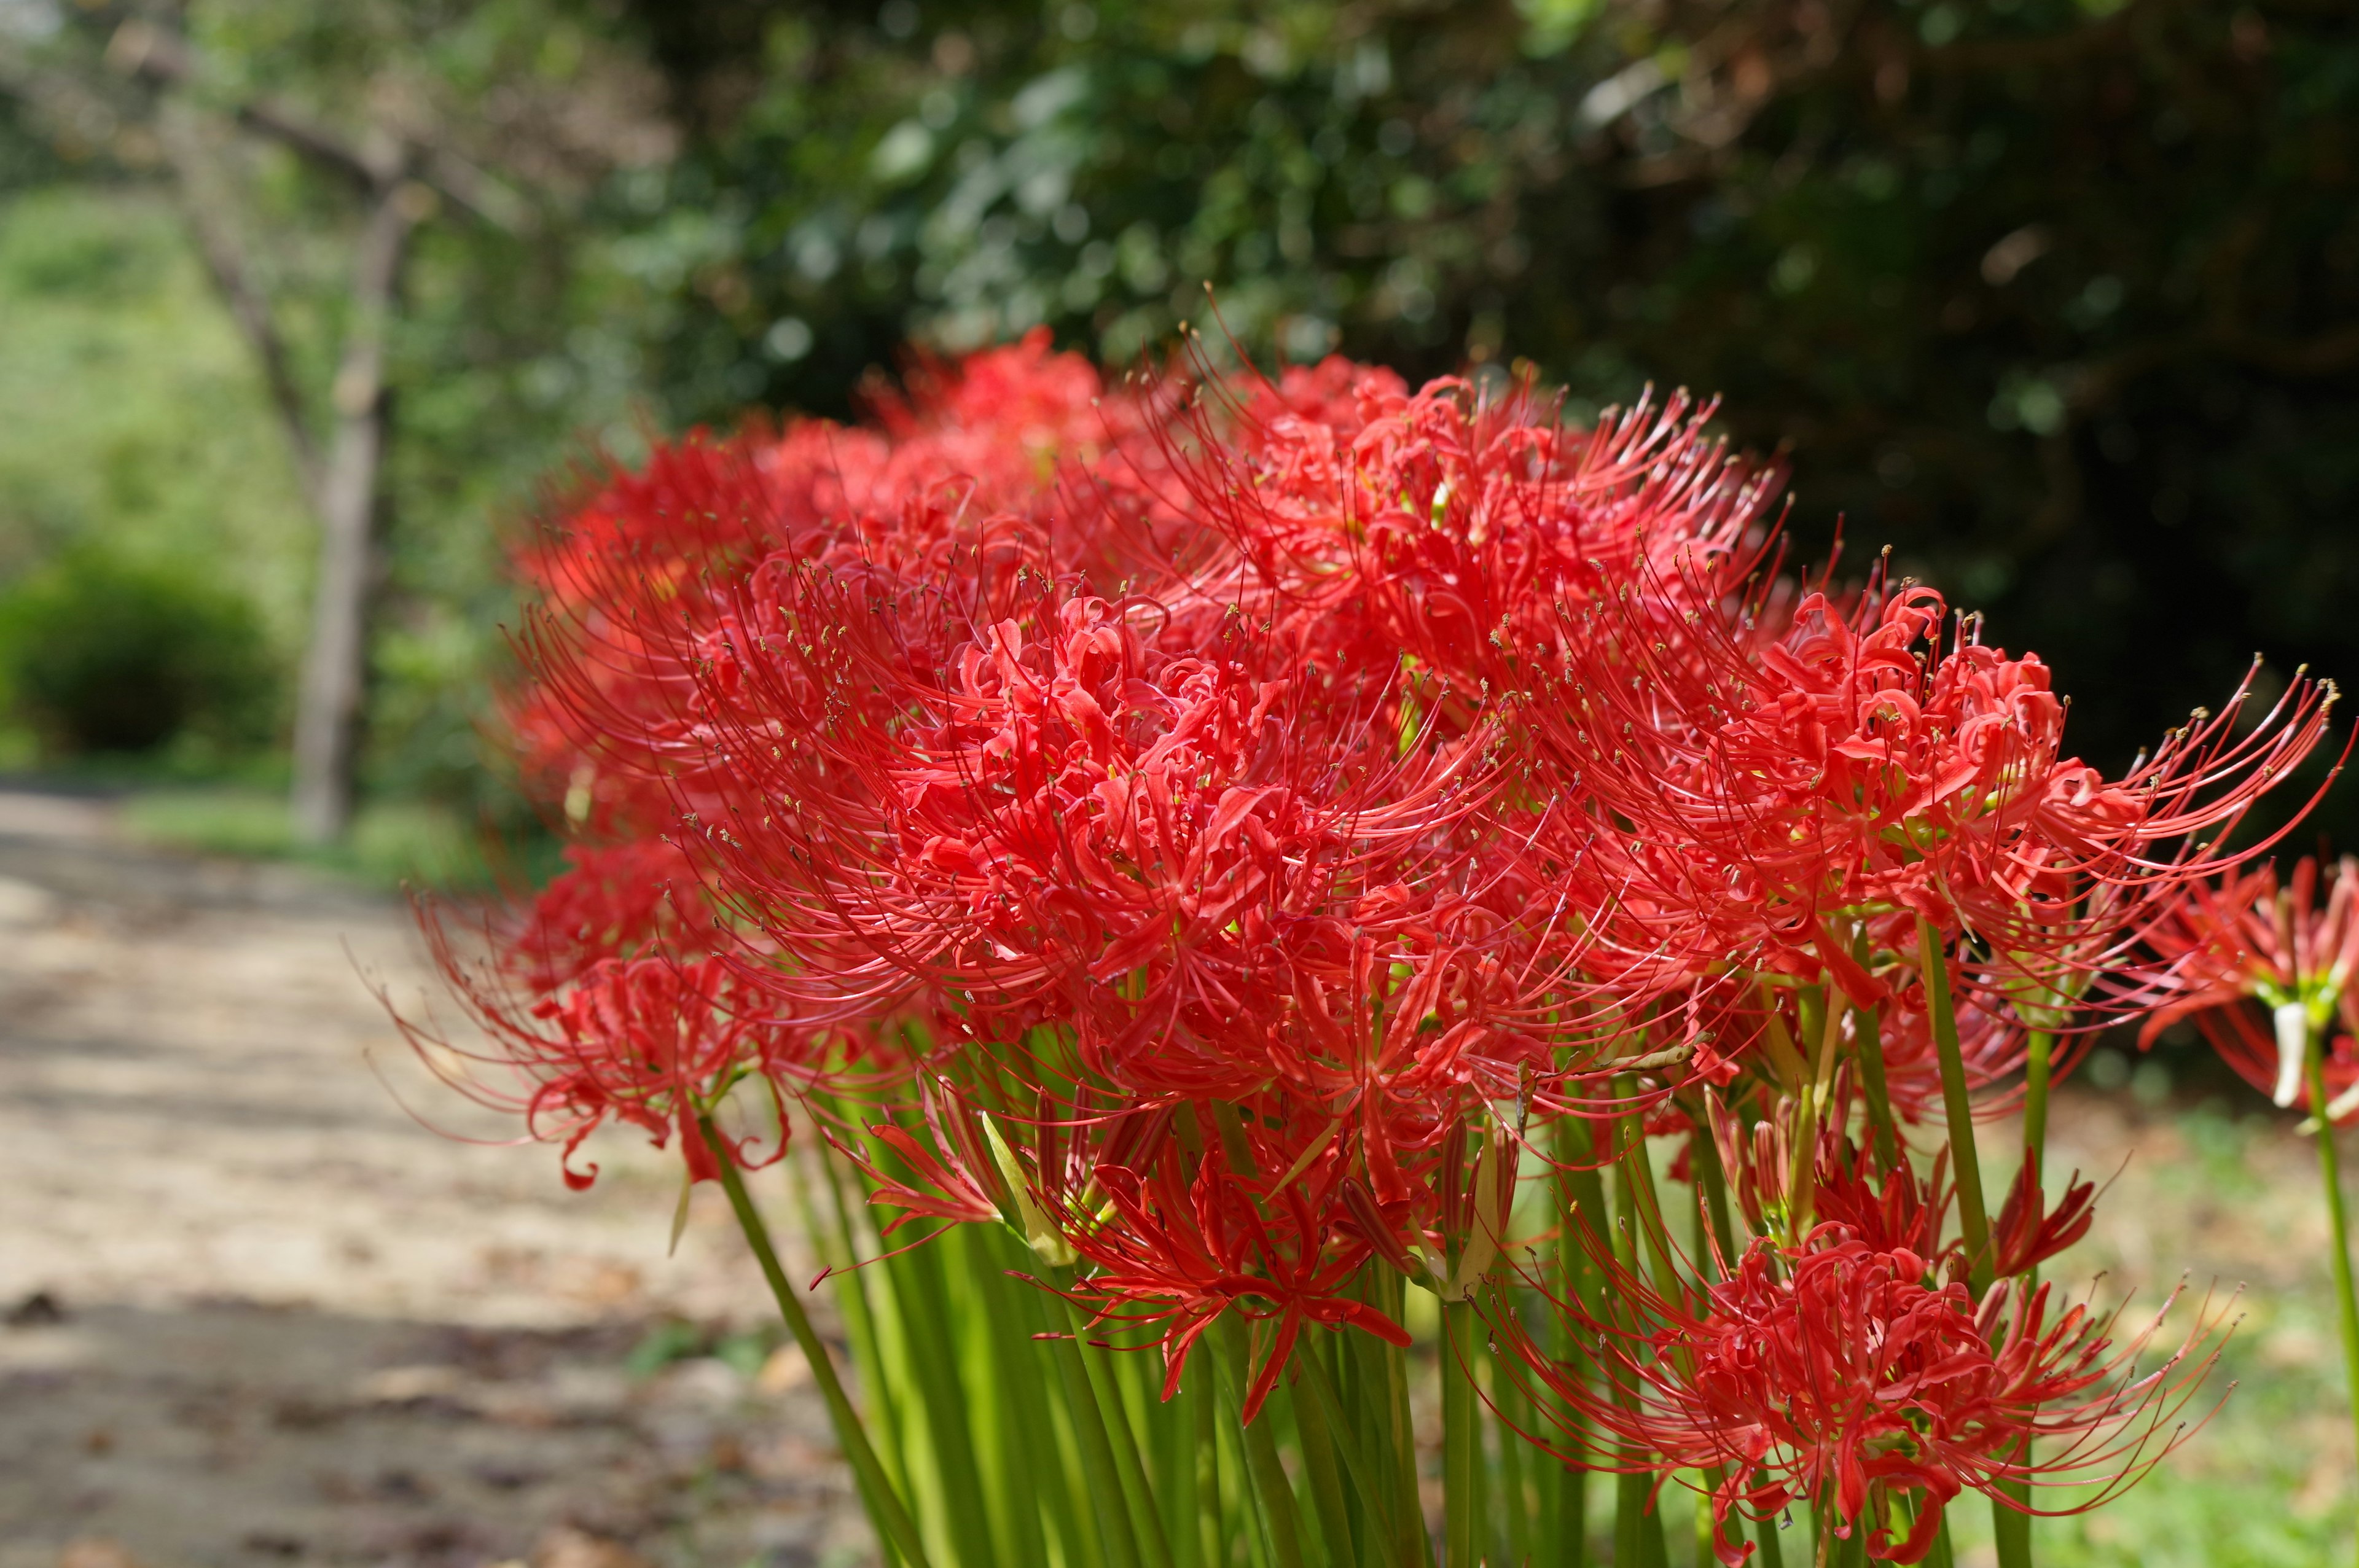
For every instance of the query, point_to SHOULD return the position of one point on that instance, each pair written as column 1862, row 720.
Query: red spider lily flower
column 1854, row 1371
column 605, row 1001
column 1179, row 1214
column 1780, row 790
column 1217, row 869
column 1898, row 1210
column 652, row 1043
column 1188, row 1238
column 2246, row 943
column 1452, row 522
column 620, row 901
column 961, row 483
column 2028, row 1232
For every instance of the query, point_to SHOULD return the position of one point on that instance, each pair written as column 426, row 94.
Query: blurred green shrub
column 103, row 655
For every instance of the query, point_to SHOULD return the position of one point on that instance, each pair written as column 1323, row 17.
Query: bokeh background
column 2059, row 299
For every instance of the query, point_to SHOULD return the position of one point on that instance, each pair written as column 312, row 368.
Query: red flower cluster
column 2249, row 941
column 1853, row 1372
column 1265, row 802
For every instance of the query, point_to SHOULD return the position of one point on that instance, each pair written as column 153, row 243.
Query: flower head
column 1854, row 1371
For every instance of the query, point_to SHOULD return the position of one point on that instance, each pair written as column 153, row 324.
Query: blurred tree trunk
column 399, row 183
column 327, row 704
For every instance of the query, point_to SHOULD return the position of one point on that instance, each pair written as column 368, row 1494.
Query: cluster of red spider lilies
column 1344, row 885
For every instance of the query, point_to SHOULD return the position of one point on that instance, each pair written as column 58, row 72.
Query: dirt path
column 257, row 1313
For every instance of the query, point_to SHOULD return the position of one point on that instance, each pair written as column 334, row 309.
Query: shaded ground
column 256, row 1313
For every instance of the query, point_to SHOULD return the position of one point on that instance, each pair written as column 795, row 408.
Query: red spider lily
column 1779, row 790
column 1854, row 1371
column 1247, row 785
column 621, row 901
column 2248, row 944
column 959, row 485
column 1453, row 521
column 1186, row 1251
column 651, row 1042
column 1217, row 869
column 606, row 1003
column 2028, row 1232
column 1176, row 1215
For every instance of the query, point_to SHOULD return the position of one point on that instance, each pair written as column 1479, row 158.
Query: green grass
column 130, row 410
column 2216, row 1185
column 391, row 844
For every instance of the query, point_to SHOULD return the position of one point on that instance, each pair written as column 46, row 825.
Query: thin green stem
column 1098, row 1468
column 1319, row 1466
column 1182, row 1479
column 1510, row 1411
column 1147, row 1525
column 1404, row 1538
column 1703, row 1154
column 1032, row 1474
column 1771, row 1539
column 947, row 1400
column 1281, row 1519
column 2331, row 1174
column 863, row 1326
column 1974, row 1216
column 1643, row 1204
column 1802, row 1189
column 1461, row 1438
column 2010, row 1529
column 892, row 1515
column 1212, row 1518
column 1869, row 1042
column 2037, row 1064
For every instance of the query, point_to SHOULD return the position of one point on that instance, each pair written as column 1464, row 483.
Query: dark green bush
column 101, row 655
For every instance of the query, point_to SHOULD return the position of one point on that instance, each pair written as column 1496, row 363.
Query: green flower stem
column 862, row 1326
column 1183, row 1482
column 1868, row 1041
column 1703, row 1154
column 1404, row 1537
column 1510, row 1411
column 892, row 1515
column 2013, row 1526
column 1381, row 1376
column 1641, row 1202
column 1319, row 1460
column 1638, row 1525
column 1974, row 1216
column 1130, row 1469
column 947, row 1399
column 2331, row 1174
column 1031, row 1470
column 1099, row 1467
column 2037, row 1064
column 1461, row 1435
column 1212, row 1543
column 1768, row 1535
column 2010, row 1529
column 1582, row 1204
column 1273, row 1493
column 1827, row 1014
